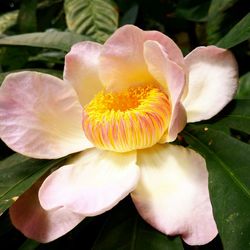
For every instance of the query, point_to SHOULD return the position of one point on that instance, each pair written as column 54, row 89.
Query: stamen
column 133, row 119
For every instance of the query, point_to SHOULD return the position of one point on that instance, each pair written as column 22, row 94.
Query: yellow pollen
column 132, row 119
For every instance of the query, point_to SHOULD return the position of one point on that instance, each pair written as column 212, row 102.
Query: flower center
column 132, row 119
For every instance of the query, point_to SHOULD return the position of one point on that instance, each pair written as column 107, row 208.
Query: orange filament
column 133, row 119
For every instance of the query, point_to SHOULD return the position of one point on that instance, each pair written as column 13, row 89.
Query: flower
column 119, row 105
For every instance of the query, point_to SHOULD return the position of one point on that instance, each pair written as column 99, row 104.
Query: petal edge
column 40, row 116
column 172, row 194
column 93, row 183
column 213, row 79
column 34, row 222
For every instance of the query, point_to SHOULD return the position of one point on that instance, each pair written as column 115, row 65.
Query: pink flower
column 119, row 105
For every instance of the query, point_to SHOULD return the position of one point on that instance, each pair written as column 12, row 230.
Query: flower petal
column 172, row 79
column 170, row 47
column 81, row 70
column 40, row 116
column 122, row 62
column 172, row 194
column 34, row 222
column 213, row 77
column 94, row 182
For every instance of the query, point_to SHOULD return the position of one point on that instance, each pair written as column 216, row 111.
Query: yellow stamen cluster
column 133, row 119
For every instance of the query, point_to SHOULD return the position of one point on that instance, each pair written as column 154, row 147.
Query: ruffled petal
column 122, row 63
column 172, row 79
column 81, row 70
column 92, row 183
column 40, row 116
column 172, row 194
column 34, row 222
column 213, row 79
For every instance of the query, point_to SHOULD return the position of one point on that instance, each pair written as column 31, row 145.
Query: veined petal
column 213, row 79
column 34, row 222
column 40, row 116
column 172, row 79
column 94, row 182
column 172, row 193
column 122, row 63
column 81, row 70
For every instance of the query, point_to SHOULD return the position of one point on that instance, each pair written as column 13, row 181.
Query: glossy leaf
column 51, row 57
column 12, row 57
column 130, row 15
column 27, row 16
column 51, row 39
column 7, row 20
column 239, row 33
column 236, row 116
column 196, row 11
column 222, row 16
column 244, row 87
column 29, row 245
column 124, row 229
column 17, row 174
column 95, row 18
column 218, row 6
column 227, row 161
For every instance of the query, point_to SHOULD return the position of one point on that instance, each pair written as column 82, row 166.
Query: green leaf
column 7, row 20
column 218, row 6
column 51, row 57
column 238, row 34
column 222, row 16
column 227, row 161
column 29, row 245
column 243, row 91
column 130, row 15
column 95, row 18
column 195, row 10
column 124, row 229
column 236, row 116
column 50, row 39
column 27, row 16
column 17, row 174
column 53, row 72
column 13, row 57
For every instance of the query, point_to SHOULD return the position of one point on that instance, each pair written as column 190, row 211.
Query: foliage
column 96, row 18
column 37, row 34
column 228, row 168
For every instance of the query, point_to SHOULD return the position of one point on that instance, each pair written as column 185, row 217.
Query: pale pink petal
column 170, row 47
column 213, row 79
column 93, row 183
column 81, row 70
column 172, row 79
column 40, row 116
column 34, row 222
column 122, row 63
column 172, row 194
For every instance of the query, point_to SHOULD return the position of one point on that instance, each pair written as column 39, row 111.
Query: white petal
column 213, row 79
column 40, row 116
column 172, row 79
column 81, row 70
column 34, row 222
column 93, row 183
column 172, row 194
column 122, row 63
